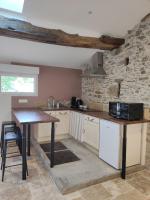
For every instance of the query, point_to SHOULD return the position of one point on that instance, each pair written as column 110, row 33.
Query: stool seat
column 9, row 136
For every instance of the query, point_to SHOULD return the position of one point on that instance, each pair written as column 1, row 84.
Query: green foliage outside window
column 17, row 84
column 7, row 83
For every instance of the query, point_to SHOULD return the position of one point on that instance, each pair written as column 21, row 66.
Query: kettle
column 73, row 102
column 78, row 103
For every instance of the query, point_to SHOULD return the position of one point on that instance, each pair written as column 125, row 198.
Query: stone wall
column 135, row 85
column 134, row 76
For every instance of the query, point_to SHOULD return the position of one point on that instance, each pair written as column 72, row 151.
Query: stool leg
column 4, row 160
column 2, row 146
column 27, row 169
column 2, row 152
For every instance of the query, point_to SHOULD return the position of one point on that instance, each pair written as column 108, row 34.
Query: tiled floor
column 40, row 186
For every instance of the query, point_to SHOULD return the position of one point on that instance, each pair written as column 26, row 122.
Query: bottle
column 57, row 105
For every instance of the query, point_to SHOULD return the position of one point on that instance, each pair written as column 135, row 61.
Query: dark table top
column 26, row 116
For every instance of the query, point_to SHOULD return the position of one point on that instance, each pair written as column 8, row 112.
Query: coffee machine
column 76, row 102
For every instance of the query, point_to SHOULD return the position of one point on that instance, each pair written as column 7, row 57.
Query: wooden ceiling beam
column 23, row 30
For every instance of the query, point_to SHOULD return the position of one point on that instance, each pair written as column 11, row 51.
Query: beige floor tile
column 73, row 196
column 117, row 186
column 40, row 186
column 140, row 183
column 132, row 195
column 15, row 192
column 95, row 192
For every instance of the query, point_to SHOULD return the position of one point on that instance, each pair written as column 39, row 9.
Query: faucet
column 51, row 102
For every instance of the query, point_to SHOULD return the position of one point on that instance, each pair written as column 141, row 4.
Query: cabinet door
column 71, row 123
column 76, row 125
column 62, row 127
column 91, row 131
column 44, row 130
column 134, row 144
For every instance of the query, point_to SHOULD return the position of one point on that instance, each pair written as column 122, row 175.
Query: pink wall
column 62, row 83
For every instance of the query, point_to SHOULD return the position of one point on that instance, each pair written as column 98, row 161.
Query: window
column 17, row 84
column 19, row 80
column 12, row 5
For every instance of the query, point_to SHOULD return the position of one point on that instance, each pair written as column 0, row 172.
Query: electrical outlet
column 23, row 101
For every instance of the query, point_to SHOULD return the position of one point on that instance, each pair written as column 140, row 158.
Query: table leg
column 52, row 143
column 24, row 159
column 29, row 136
column 124, row 144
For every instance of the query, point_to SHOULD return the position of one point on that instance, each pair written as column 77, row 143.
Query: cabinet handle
column 91, row 120
column 62, row 113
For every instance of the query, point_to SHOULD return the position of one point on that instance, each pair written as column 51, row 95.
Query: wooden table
column 26, row 118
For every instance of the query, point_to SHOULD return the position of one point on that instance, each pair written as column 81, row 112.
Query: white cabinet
column 110, row 149
column 91, row 131
column 76, row 125
column 134, row 139
column 62, row 127
column 43, row 130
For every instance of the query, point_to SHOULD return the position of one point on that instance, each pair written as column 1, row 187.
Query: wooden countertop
column 97, row 114
column 106, row 116
column 32, row 116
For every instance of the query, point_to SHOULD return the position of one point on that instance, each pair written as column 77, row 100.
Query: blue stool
column 10, row 133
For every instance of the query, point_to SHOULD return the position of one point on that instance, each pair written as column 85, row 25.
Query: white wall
column 5, row 108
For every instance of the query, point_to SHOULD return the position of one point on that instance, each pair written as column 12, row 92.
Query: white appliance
column 110, row 149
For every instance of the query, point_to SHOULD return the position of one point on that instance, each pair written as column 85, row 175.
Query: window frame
column 35, row 76
column 20, row 71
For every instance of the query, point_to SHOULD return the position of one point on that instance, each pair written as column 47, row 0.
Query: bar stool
column 10, row 134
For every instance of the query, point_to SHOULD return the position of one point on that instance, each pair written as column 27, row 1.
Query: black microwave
column 127, row 111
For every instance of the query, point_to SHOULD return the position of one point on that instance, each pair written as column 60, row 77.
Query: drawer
column 64, row 112
column 91, row 119
column 50, row 113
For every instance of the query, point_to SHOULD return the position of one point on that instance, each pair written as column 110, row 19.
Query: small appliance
column 127, row 111
column 76, row 102
column 79, row 102
column 73, row 102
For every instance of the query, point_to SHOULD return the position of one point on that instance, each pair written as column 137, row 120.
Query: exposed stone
column 143, row 78
column 143, row 72
column 113, row 90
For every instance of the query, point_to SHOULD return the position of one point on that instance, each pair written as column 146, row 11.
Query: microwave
column 126, row 111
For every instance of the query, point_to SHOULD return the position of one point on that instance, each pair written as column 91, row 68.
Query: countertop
column 90, row 112
column 28, row 116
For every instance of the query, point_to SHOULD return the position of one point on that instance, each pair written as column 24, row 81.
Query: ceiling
column 17, row 50
column 114, row 17
column 86, row 17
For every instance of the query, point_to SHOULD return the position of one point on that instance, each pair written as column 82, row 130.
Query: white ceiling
column 17, row 50
column 112, row 17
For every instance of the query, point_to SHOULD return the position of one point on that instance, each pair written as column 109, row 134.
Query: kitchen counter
column 106, row 116
column 99, row 115
column 27, row 116
column 90, row 112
